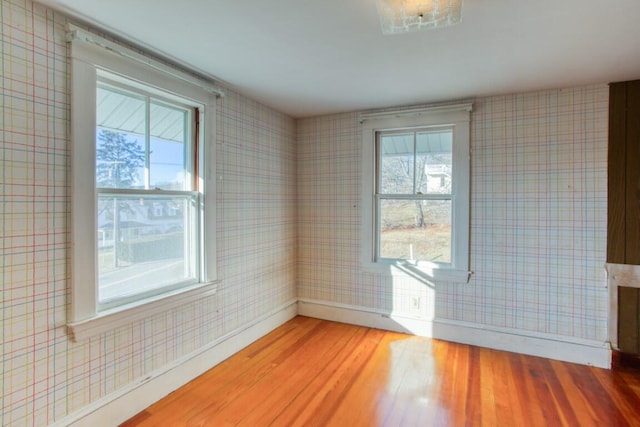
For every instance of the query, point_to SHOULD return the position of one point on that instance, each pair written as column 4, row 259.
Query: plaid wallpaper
column 539, row 215
column 44, row 376
column 538, row 227
column 538, row 218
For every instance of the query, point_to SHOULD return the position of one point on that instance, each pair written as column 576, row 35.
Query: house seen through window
column 147, row 220
column 413, row 194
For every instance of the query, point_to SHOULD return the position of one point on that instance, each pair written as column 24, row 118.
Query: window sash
column 415, row 195
column 413, row 132
column 379, row 256
column 151, row 96
column 127, row 289
column 154, row 268
column 451, row 116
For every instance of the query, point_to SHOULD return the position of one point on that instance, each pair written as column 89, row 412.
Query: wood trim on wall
column 632, row 216
column 623, row 209
column 616, row 185
column 623, row 212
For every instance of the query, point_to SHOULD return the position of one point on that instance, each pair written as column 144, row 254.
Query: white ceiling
column 311, row 57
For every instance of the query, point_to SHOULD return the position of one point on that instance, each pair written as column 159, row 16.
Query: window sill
column 427, row 272
column 114, row 318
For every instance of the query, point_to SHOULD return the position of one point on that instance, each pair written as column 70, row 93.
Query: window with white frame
column 142, row 186
column 145, row 165
column 415, row 202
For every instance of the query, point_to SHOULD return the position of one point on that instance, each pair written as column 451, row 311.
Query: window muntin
column 148, row 218
column 414, row 195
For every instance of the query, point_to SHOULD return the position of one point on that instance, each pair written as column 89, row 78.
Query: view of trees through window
column 146, row 204
column 120, row 160
column 414, row 195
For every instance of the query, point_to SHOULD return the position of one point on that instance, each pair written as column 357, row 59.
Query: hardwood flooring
column 311, row 372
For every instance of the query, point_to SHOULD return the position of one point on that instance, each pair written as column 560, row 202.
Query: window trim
column 456, row 115
column 87, row 55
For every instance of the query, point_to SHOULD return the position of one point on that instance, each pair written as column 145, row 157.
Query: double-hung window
column 147, row 200
column 142, row 187
column 413, row 194
column 416, row 191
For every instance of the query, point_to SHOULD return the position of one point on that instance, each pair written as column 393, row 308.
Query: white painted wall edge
column 126, row 402
column 585, row 352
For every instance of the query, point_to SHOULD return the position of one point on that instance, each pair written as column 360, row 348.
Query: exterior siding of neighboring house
column 139, row 219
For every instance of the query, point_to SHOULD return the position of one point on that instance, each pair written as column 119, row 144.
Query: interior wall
column 43, row 375
column 538, row 227
column 538, row 218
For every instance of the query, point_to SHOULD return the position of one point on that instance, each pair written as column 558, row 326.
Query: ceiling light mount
column 401, row 16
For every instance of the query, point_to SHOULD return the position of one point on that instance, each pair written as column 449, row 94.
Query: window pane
column 396, row 164
column 120, row 159
column 169, row 132
column 144, row 244
column 120, row 142
column 434, row 162
column 416, row 230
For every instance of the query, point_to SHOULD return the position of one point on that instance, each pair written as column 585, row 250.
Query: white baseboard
column 365, row 316
column 556, row 347
column 123, row 404
column 575, row 350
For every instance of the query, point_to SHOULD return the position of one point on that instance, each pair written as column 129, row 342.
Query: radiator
column 624, row 309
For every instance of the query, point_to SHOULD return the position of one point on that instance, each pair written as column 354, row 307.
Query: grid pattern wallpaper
column 539, row 215
column 288, row 211
column 538, row 218
column 44, row 376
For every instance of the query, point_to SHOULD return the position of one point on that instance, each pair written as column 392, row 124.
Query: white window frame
column 89, row 54
column 456, row 116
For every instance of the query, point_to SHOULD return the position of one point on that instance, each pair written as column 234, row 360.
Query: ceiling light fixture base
column 402, row 16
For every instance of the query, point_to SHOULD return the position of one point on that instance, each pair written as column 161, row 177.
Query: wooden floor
column 311, row 372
